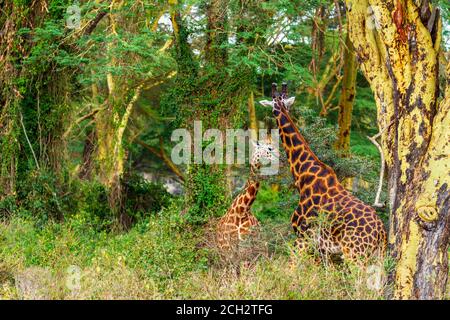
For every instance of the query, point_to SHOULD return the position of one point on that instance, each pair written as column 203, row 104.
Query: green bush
column 44, row 196
column 7, row 206
column 159, row 257
column 206, row 196
column 139, row 199
column 93, row 205
column 142, row 197
column 277, row 205
column 156, row 252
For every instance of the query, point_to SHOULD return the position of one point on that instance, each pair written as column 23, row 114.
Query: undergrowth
column 161, row 257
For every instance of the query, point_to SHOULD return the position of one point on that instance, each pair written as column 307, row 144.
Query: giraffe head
column 263, row 153
column 279, row 100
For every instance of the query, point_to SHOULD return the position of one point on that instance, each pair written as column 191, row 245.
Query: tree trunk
column 86, row 167
column 398, row 52
column 252, row 117
column 111, row 124
column 205, row 184
column 216, row 35
column 109, row 156
column 347, row 98
column 187, row 66
column 25, row 131
column 319, row 25
column 9, row 146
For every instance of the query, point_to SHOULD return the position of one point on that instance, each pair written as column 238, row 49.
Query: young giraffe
column 239, row 221
column 354, row 228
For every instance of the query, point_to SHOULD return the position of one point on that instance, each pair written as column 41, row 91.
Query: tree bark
column 161, row 153
column 216, row 35
column 109, row 155
column 187, row 66
column 202, row 102
column 20, row 83
column 347, row 98
column 398, row 52
column 319, row 25
column 252, row 117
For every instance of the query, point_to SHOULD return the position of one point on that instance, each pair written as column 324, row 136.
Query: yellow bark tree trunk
column 347, row 98
column 397, row 44
column 109, row 157
column 252, row 117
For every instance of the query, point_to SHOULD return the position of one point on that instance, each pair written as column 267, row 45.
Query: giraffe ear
column 289, row 102
column 266, row 103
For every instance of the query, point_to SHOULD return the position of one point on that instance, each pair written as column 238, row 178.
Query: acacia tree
column 347, row 98
column 33, row 110
column 121, row 42
column 398, row 43
column 214, row 87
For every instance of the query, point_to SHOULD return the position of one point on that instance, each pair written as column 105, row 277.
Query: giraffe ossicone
column 283, row 96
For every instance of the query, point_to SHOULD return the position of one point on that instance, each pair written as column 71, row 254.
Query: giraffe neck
column 302, row 161
column 251, row 190
column 254, row 171
column 245, row 200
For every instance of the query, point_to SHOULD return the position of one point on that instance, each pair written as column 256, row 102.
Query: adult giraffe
column 354, row 229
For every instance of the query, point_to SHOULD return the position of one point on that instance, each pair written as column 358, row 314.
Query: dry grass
column 260, row 244
column 277, row 279
column 162, row 262
column 267, row 279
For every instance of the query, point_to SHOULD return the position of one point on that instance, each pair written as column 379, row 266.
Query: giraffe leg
column 301, row 226
column 300, row 244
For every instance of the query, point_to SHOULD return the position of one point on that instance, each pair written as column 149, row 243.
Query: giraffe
column 238, row 220
column 354, row 230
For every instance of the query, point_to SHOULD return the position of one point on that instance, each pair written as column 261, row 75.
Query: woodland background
column 88, row 193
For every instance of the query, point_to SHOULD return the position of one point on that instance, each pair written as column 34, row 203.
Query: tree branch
column 93, row 24
column 163, row 156
column 377, row 202
column 28, row 141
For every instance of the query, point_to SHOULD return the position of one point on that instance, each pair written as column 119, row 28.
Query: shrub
column 206, row 194
column 142, row 197
column 159, row 258
column 93, row 207
column 7, row 206
column 44, row 196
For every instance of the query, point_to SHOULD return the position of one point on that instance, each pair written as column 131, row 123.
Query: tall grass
column 161, row 257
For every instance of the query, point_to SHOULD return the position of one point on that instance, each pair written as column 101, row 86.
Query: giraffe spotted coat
column 353, row 228
column 238, row 221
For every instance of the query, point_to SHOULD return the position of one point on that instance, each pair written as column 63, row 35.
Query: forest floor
column 160, row 258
